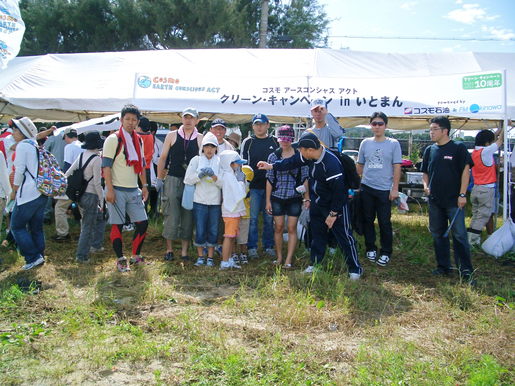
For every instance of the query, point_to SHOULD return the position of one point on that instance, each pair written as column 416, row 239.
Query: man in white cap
column 28, row 212
column 179, row 148
column 327, row 134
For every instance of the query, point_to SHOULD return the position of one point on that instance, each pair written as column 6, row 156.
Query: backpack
column 50, row 180
column 352, row 179
column 76, row 183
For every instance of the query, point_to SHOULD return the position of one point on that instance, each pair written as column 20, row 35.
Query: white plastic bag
column 501, row 241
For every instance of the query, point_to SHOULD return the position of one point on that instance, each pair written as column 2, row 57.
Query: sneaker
column 270, row 252
column 96, row 250
column 287, row 266
column 128, row 228
column 383, row 260
column 36, row 263
column 218, row 249
column 82, row 261
column 233, row 263
column 210, row 262
column 236, row 258
column 354, row 276
column 243, row 259
column 309, row 269
column 61, row 238
column 138, row 259
column 185, row 258
column 253, row 253
column 122, row 265
column 371, row 255
column 276, row 262
column 332, row 251
column 168, row 256
column 441, row 272
column 200, row 262
column 224, row 265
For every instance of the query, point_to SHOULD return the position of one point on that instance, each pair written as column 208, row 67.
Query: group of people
column 213, row 190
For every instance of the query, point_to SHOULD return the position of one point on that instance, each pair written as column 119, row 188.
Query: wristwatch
column 463, row 195
column 333, row 214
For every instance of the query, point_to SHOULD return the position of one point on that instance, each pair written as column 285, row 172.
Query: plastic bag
column 501, row 241
column 187, row 197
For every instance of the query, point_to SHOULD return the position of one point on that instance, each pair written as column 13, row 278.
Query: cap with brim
column 219, row 122
column 190, row 111
column 317, row 103
column 92, row 141
column 260, row 118
column 285, row 139
column 26, row 126
column 240, row 161
column 308, row 141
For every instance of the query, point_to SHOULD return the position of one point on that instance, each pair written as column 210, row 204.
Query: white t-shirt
column 72, row 151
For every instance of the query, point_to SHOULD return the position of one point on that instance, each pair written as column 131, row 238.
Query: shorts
column 243, row 234
column 290, row 207
column 231, row 226
column 127, row 202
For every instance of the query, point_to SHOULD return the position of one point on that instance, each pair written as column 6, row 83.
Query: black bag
column 356, row 213
column 76, row 183
column 352, row 179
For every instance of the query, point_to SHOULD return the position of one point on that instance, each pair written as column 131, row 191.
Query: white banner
column 12, row 29
column 476, row 95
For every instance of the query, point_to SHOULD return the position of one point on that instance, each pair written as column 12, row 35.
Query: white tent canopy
column 237, row 83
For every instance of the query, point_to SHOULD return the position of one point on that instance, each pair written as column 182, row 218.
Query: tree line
column 71, row 26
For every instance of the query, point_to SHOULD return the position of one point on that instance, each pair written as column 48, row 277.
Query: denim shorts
column 290, row 207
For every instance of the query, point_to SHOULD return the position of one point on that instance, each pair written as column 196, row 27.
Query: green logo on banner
column 475, row 82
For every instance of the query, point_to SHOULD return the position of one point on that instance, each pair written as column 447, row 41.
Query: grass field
column 172, row 323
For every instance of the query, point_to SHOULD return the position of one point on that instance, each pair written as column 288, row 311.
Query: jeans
column 439, row 220
column 27, row 228
column 342, row 232
column 92, row 226
column 207, row 218
column 257, row 206
column 377, row 203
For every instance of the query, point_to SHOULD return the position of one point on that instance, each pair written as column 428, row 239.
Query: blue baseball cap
column 260, row 118
column 308, row 141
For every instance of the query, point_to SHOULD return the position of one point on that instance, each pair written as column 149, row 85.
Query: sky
column 454, row 19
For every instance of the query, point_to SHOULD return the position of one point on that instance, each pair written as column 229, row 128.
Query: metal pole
column 506, row 171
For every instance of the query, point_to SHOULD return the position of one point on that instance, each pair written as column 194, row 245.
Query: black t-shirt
column 444, row 165
column 254, row 150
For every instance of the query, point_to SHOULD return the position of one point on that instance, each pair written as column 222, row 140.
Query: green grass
column 169, row 323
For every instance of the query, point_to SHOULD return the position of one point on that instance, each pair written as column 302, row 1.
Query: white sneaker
column 233, row 263
column 371, row 255
column 96, row 250
column 310, row 269
column 39, row 261
column 383, row 260
column 354, row 276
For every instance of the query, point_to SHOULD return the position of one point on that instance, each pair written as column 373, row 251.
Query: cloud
column 459, row 1
column 409, row 5
column 499, row 33
column 469, row 14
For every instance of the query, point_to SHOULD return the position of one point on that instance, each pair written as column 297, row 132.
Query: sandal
column 287, row 266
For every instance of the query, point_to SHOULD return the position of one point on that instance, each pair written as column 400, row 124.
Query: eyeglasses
column 377, row 123
column 435, row 128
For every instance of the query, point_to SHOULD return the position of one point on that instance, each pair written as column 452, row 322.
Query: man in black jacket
column 328, row 211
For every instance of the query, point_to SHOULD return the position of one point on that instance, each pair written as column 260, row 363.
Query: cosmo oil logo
column 159, row 82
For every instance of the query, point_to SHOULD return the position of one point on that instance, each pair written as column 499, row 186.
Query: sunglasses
column 377, row 123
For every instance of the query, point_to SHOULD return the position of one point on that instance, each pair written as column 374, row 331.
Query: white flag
column 12, row 28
